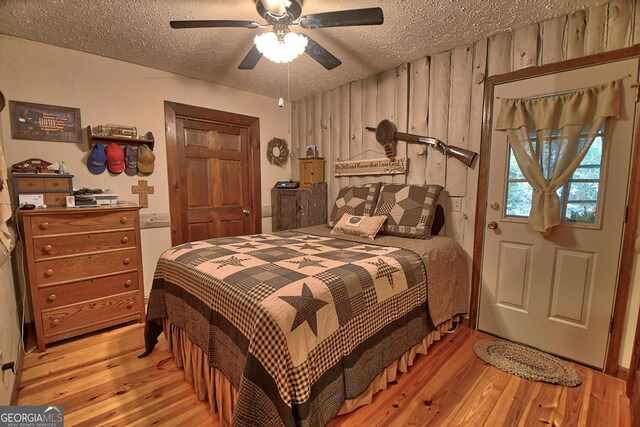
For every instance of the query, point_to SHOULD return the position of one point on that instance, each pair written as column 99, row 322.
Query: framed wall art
column 311, row 151
column 44, row 122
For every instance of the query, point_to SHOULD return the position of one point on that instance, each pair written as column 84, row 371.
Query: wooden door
column 556, row 292
column 211, row 163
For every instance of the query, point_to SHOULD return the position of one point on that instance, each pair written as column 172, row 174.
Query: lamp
column 279, row 48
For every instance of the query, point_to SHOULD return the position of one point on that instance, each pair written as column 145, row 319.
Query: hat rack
column 94, row 139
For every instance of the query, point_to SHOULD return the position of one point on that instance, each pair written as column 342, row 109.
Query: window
column 579, row 197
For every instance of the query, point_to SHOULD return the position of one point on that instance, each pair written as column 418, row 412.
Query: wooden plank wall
column 441, row 96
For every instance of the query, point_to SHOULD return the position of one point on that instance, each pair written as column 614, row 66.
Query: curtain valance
column 557, row 111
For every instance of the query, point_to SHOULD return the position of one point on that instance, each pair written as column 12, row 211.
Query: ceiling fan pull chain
column 281, row 99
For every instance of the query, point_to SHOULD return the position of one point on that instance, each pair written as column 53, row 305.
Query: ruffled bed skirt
column 211, row 384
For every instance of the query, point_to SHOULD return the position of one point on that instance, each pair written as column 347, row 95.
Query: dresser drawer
column 71, row 293
column 55, row 199
column 30, row 184
column 81, row 222
column 45, row 247
column 57, row 184
column 78, row 316
column 73, row 268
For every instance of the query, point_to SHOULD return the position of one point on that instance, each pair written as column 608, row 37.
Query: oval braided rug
column 527, row 362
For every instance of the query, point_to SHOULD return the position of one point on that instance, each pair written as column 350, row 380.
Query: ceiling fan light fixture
column 281, row 50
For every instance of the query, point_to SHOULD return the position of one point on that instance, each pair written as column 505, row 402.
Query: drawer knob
column 128, row 283
column 52, row 297
column 125, row 239
column 44, row 225
column 48, row 248
column 124, row 220
column 130, row 305
column 55, row 322
column 49, row 272
column 127, row 260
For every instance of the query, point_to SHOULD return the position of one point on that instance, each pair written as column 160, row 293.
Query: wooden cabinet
column 311, row 170
column 53, row 188
column 300, row 207
column 84, row 268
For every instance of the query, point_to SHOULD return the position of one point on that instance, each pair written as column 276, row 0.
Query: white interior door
column 556, row 292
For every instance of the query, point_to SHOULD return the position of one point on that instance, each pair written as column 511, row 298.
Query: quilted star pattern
column 307, row 306
column 359, row 200
column 232, row 260
column 410, row 209
column 384, row 270
column 306, row 262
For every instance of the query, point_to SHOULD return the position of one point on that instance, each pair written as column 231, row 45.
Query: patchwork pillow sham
column 359, row 200
column 409, row 209
column 362, row 226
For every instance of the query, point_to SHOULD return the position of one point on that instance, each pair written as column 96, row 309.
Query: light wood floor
column 99, row 381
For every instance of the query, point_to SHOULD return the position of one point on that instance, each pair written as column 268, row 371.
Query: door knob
column 246, row 212
column 492, row 225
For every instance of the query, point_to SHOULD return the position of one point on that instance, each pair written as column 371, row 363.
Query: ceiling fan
column 282, row 14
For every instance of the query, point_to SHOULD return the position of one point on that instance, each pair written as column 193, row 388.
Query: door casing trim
column 252, row 124
column 630, row 228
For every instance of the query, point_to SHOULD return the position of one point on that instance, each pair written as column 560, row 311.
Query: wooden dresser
column 84, row 269
column 299, row 207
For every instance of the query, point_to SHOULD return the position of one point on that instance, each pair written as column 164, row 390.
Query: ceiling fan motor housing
column 293, row 12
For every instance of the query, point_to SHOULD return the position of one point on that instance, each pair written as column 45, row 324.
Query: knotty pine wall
column 441, row 96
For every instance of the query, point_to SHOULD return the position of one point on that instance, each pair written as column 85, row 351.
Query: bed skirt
column 211, row 384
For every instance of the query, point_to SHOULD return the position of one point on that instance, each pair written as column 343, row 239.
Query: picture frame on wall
column 43, row 122
column 311, row 151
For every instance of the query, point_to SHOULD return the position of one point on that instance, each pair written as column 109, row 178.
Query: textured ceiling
column 138, row 31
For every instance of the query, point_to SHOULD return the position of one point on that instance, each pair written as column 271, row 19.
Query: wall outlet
column 455, row 204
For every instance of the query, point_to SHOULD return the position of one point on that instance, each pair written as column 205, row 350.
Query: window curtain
column 550, row 136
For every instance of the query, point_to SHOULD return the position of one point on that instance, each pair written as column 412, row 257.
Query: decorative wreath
column 279, row 146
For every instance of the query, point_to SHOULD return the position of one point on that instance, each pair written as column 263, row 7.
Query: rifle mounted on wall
column 387, row 135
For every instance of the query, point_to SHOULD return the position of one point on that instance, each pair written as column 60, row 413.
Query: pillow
column 363, row 226
column 409, row 209
column 438, row 221
column 355, row 200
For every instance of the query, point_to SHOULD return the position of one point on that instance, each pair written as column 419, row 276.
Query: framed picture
column 312, row 151
column 44, row 122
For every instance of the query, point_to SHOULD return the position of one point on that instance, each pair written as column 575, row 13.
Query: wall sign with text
column 382, row 166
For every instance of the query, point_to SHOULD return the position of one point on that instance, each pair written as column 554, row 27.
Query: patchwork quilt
column 297, row 322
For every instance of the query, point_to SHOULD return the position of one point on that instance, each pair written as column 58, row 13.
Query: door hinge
column 611, row 325
column 637, row 86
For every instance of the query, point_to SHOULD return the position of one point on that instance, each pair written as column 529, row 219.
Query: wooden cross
column 142, row 190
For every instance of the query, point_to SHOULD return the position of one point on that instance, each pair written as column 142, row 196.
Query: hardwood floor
column 100, row 381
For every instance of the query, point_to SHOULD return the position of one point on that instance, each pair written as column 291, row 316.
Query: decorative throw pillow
column 409, row 209
column 355, row 200
column 363, row 226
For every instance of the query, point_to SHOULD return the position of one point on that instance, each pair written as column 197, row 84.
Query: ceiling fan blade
column 251, row 60
column 213, row 24
column 322, row 55
column 343, row 18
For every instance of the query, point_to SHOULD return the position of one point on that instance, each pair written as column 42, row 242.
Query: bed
column 295, row 327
